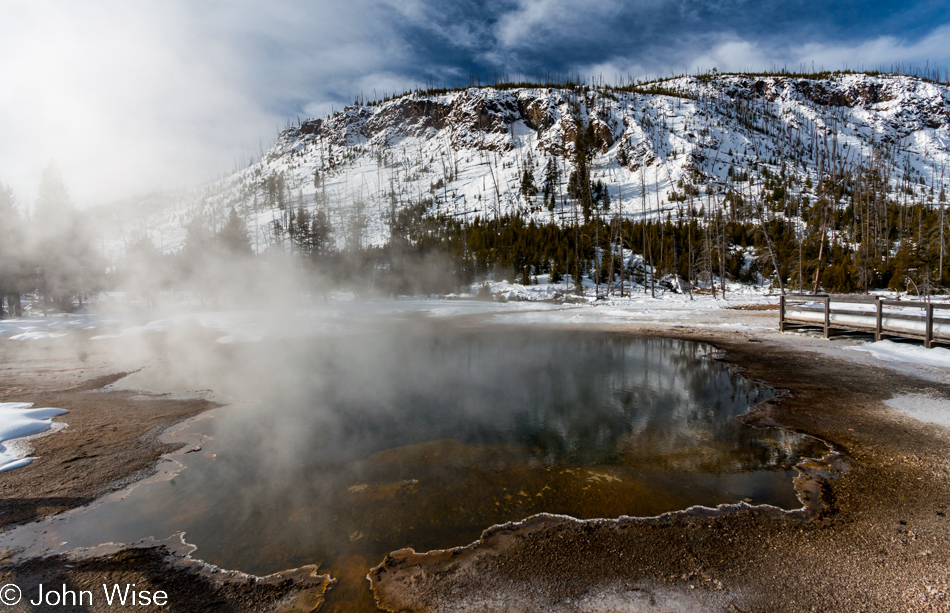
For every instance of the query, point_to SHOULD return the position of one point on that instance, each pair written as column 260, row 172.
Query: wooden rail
column 883, row 317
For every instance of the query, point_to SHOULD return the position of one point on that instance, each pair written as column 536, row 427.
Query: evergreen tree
column 623, row 156
column 67, row 263
column 578, row 185
column 550, row 186
column 198, row 238
column 14, row 265
column 233, row 236
column 320, row 234
column 528, row 188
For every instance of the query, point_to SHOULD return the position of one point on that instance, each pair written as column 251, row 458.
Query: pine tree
column 13, row 258
column 550, row 186
column 320, row 234
column 233, row 236
column 623, row 156
column 528, row 188
column 198, row 237
column 66, row 260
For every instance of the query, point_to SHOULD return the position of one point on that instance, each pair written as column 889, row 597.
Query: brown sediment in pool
column 872, row 537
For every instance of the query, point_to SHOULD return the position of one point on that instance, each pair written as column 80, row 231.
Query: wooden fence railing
column 926, row 321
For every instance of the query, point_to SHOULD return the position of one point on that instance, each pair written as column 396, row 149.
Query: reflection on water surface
column 363, row 444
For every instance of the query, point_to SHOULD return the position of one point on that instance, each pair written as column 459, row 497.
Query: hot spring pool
column 359, row 444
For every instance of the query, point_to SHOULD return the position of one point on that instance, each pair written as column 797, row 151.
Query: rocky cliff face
column 894, row 107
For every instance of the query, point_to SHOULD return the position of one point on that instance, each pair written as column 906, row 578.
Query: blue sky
column 129, row 97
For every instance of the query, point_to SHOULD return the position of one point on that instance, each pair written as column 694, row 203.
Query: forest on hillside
column 795, row 210
column 851, row 228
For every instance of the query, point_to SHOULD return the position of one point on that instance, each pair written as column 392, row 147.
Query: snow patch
column 34, row 328
column 36, row 335
column 889, row 351
column 18, row 420
column 923, row 407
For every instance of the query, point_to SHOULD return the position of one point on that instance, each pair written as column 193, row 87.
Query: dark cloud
column 537, row 36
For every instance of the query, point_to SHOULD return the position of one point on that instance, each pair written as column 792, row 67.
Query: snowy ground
column 506, row 303
column 503, row 304
column 40, row 327
column 891, row 351
column 923, row 407
column 17, row 421
column 494, row 303
column 368, row 157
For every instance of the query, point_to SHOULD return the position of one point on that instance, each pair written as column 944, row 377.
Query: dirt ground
column 111, row 438
column 876, row 538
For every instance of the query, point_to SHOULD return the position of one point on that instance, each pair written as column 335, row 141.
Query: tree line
column 51, row 254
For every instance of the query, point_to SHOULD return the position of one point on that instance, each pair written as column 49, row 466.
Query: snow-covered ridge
column 659, row 147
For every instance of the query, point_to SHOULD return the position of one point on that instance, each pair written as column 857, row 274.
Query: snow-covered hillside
column 659, row 147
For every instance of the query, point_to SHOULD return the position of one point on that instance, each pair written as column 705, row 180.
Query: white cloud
column 534, row 20
column 879, row 53
column 128, row 97
column 736, row 55
column 729, row 53
column 115, row 94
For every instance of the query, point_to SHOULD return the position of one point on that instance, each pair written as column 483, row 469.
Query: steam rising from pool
column 403, row 435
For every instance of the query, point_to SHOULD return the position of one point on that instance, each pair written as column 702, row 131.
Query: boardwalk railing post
column 827, row 316
column 903, row 320
column 879, row 328
column 929, row 334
